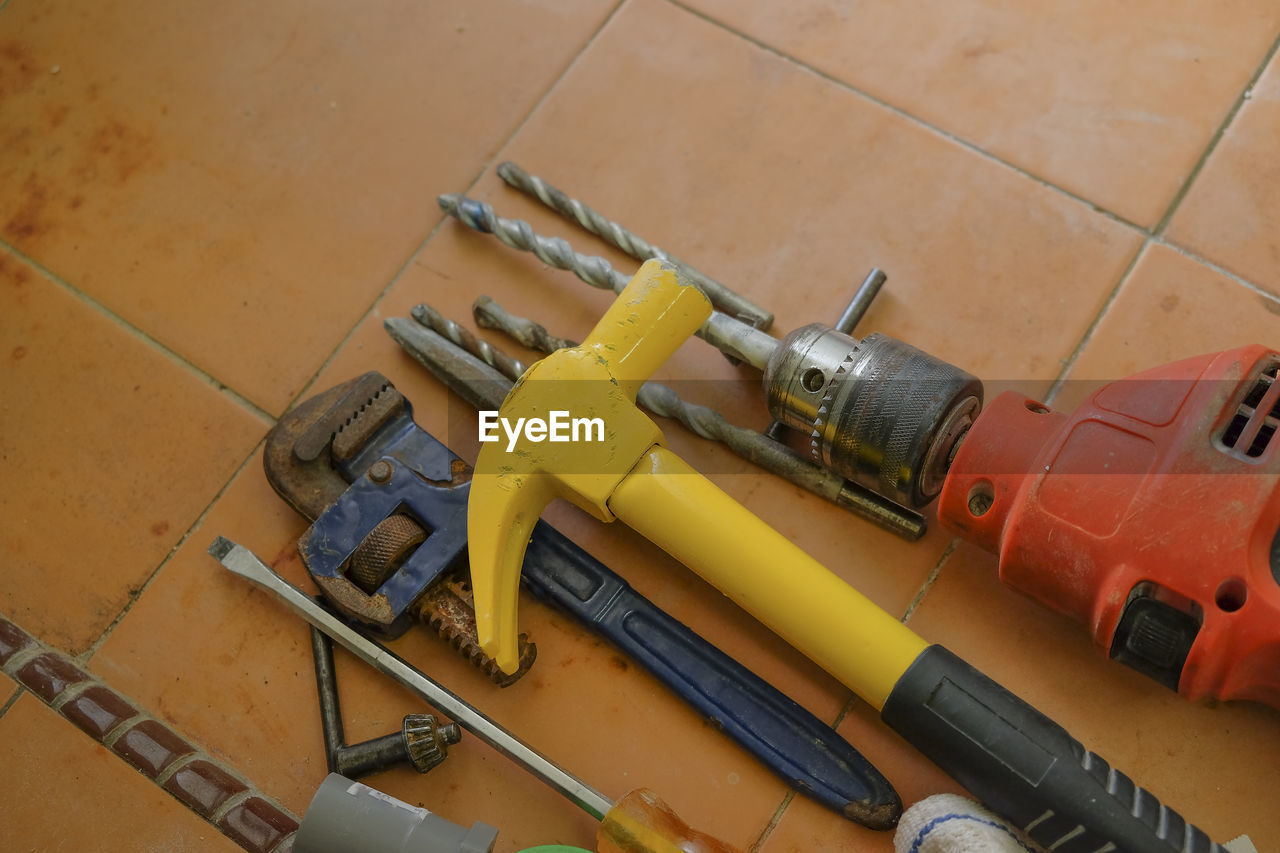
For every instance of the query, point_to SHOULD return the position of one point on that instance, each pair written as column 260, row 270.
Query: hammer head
column 517, row 475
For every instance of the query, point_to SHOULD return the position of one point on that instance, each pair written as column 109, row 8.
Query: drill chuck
column 877, row 411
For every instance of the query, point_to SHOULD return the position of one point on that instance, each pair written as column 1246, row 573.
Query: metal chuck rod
column 862, row 299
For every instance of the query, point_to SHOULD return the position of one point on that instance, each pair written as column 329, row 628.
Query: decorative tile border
column 210, row 789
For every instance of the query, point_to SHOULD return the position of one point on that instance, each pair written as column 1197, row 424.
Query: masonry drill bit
column 662, row 400
column 730, row 335
column 512, row 368
column 489, row 314
column 634, row 245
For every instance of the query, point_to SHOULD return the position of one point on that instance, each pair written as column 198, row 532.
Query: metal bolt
column 862, row 299
column 380, row 471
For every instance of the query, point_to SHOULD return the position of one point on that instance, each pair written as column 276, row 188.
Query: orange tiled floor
column 206, row 213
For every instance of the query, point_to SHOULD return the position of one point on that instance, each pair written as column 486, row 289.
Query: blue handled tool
column 388, row 545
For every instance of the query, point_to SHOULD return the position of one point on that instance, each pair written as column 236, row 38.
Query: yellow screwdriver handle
column 669, row 503
column 642, row 823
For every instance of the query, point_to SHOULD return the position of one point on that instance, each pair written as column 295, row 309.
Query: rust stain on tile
column 30, row 221
column 56, row 114
column 13, row 273
column 18, row 70
column 54, row 164
column 128, row 148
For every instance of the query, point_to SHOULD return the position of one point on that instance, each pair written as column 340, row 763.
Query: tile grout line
column 971, row 147
column 1216, row 267
column 773, row 823
column 444, row 218
column 929, row 581
column 163, row 777
column 134, row 331
column 1069, row 362
column 210, row 788
column 1236, row 106
column 87, row 654
column 542, row 99
column 17, row 694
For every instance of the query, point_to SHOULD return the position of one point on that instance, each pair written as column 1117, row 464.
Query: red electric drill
column 1151, row 514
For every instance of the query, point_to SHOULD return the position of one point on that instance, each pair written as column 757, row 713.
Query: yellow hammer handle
column 672, row 505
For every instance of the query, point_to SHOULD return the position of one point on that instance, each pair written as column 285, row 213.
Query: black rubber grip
column 807, row 753
column 1026, row 767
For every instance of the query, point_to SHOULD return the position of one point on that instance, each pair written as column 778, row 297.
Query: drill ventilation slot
column 1254, row 424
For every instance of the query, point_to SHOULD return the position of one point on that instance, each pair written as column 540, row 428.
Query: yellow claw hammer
column 1008, row 754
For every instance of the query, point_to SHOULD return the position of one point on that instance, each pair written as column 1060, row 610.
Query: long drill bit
column 728, row 334
column 733, row 304
column 662, row 400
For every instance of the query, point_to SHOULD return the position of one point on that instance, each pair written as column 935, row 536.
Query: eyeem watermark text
column 559, row 427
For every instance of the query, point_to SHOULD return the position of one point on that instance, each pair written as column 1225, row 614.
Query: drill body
column 1151, row 514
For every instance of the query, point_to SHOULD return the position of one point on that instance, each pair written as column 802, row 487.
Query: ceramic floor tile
column 241, row 182
column 986, row 268
column 76, row 795
column 1113, row 103
column 110, row 451
column 7, row 688
column 1171, row 307
column 1231, row 214
column 1212, row 763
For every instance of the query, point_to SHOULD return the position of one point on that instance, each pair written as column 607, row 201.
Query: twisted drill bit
column 490, row 315
column 634, row 245
column 508, row 366
column 518, row 234
column 773, row 456
column 731, row 336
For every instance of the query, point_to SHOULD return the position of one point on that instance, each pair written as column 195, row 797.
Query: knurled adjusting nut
column 426, row 741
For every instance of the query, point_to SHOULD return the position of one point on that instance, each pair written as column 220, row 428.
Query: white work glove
column 947, row 823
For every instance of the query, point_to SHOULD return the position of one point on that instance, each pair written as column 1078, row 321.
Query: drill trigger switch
column 1154, row 637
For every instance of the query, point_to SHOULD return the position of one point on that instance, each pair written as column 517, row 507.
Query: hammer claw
column 500, row 541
